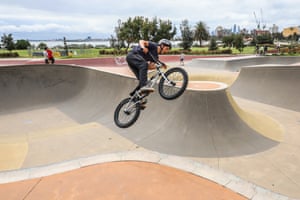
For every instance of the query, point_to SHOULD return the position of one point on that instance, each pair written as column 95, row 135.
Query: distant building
column 274, row 29
column 258, row 32
column 234, row 29
column 290, row 31
column 221, row 32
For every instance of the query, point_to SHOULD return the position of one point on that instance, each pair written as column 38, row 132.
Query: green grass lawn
column 93, row 52
column 75, row 53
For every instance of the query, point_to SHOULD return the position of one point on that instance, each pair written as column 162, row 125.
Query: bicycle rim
column 173, row 84
column 126, row 113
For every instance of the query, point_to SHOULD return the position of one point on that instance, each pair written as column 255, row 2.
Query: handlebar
column 157, row 62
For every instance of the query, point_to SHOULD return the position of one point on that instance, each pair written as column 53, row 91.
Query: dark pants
column 139, row 66
column 51, row 59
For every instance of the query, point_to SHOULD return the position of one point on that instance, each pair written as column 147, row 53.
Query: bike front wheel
column 173, row 83
column 126, row 113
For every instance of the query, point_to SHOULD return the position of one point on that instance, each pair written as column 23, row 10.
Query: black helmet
column 165, row 42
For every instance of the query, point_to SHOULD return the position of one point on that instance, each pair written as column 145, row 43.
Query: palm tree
column 201, row 32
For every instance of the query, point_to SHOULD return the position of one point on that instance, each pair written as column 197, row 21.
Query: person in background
column 48, row 54
column 182, row 59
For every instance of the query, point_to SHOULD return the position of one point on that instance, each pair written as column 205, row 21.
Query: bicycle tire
column 125, row 118
column 175, row 84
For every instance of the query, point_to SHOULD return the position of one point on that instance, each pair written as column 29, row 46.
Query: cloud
column 99, row 17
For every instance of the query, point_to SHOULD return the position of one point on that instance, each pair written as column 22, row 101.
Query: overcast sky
column 77, row 19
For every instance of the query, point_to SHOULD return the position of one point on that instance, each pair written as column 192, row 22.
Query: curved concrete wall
column 235, row 64
column 275, row 85
column 200, row 123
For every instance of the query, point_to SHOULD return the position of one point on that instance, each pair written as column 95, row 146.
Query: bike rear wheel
column 126, row 113
column 173, row 83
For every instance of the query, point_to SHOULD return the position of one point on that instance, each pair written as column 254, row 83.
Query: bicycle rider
column 141, row 58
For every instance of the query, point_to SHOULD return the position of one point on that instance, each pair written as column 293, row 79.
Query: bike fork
column 167, row 80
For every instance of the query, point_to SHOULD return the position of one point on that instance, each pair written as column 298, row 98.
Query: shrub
column 9, row 55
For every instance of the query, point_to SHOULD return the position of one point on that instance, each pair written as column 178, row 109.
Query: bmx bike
column 171, row 84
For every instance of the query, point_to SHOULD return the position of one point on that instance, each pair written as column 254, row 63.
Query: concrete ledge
column 236, row 63
column 227, row 180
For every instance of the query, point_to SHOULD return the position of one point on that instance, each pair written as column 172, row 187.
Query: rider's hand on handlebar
column 163, row 65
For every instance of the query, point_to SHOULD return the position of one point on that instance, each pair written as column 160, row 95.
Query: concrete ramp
column 274, row 85
column 234, row 64
column 199, row 124
column 50, row 109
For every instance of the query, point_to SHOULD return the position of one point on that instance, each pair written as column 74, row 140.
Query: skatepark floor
column 129, row 171
column 119, row 180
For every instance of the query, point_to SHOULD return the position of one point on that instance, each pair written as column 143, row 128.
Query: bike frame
column 153, row 80
column 128, row 110
column 156, row 77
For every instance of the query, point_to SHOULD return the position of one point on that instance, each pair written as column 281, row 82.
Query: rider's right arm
column 151, row 65
column 144, row 45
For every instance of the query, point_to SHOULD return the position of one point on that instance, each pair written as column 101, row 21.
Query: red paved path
column 93, row 62
column 119, row 181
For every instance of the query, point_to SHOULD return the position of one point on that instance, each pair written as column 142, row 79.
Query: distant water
column 53, row 43
column 94, row 43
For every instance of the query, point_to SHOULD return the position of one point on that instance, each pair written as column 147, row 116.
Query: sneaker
column 131, row 93
column 144, row 101
column 143, row 104
column 147, row 89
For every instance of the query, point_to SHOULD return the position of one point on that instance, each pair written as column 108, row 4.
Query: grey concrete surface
column 274, row 85
column 236, row 63
column 58, row 113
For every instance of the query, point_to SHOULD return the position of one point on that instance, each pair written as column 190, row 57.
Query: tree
column 186, row 34
column 130, row 31
column 117, row 42
column 201, row 32
column 22, row 44
column 42, row 45
column 135, row 29
column 165, row 30
column 8, row 41
column 228, row 41
column 149, row 29
column 213, row 44
column 264, row 39
column 238, row 42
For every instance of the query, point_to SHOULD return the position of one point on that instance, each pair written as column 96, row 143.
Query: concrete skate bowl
column 54, row 113
column 273, row 85
column 269, row 80
column 267, row 85
column 235, row 64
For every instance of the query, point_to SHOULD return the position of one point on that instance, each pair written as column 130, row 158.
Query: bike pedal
column 144, row 101
column 143, row 106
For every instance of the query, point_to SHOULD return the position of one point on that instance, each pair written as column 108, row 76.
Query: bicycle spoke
column 126, row 113
column 173, row 83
